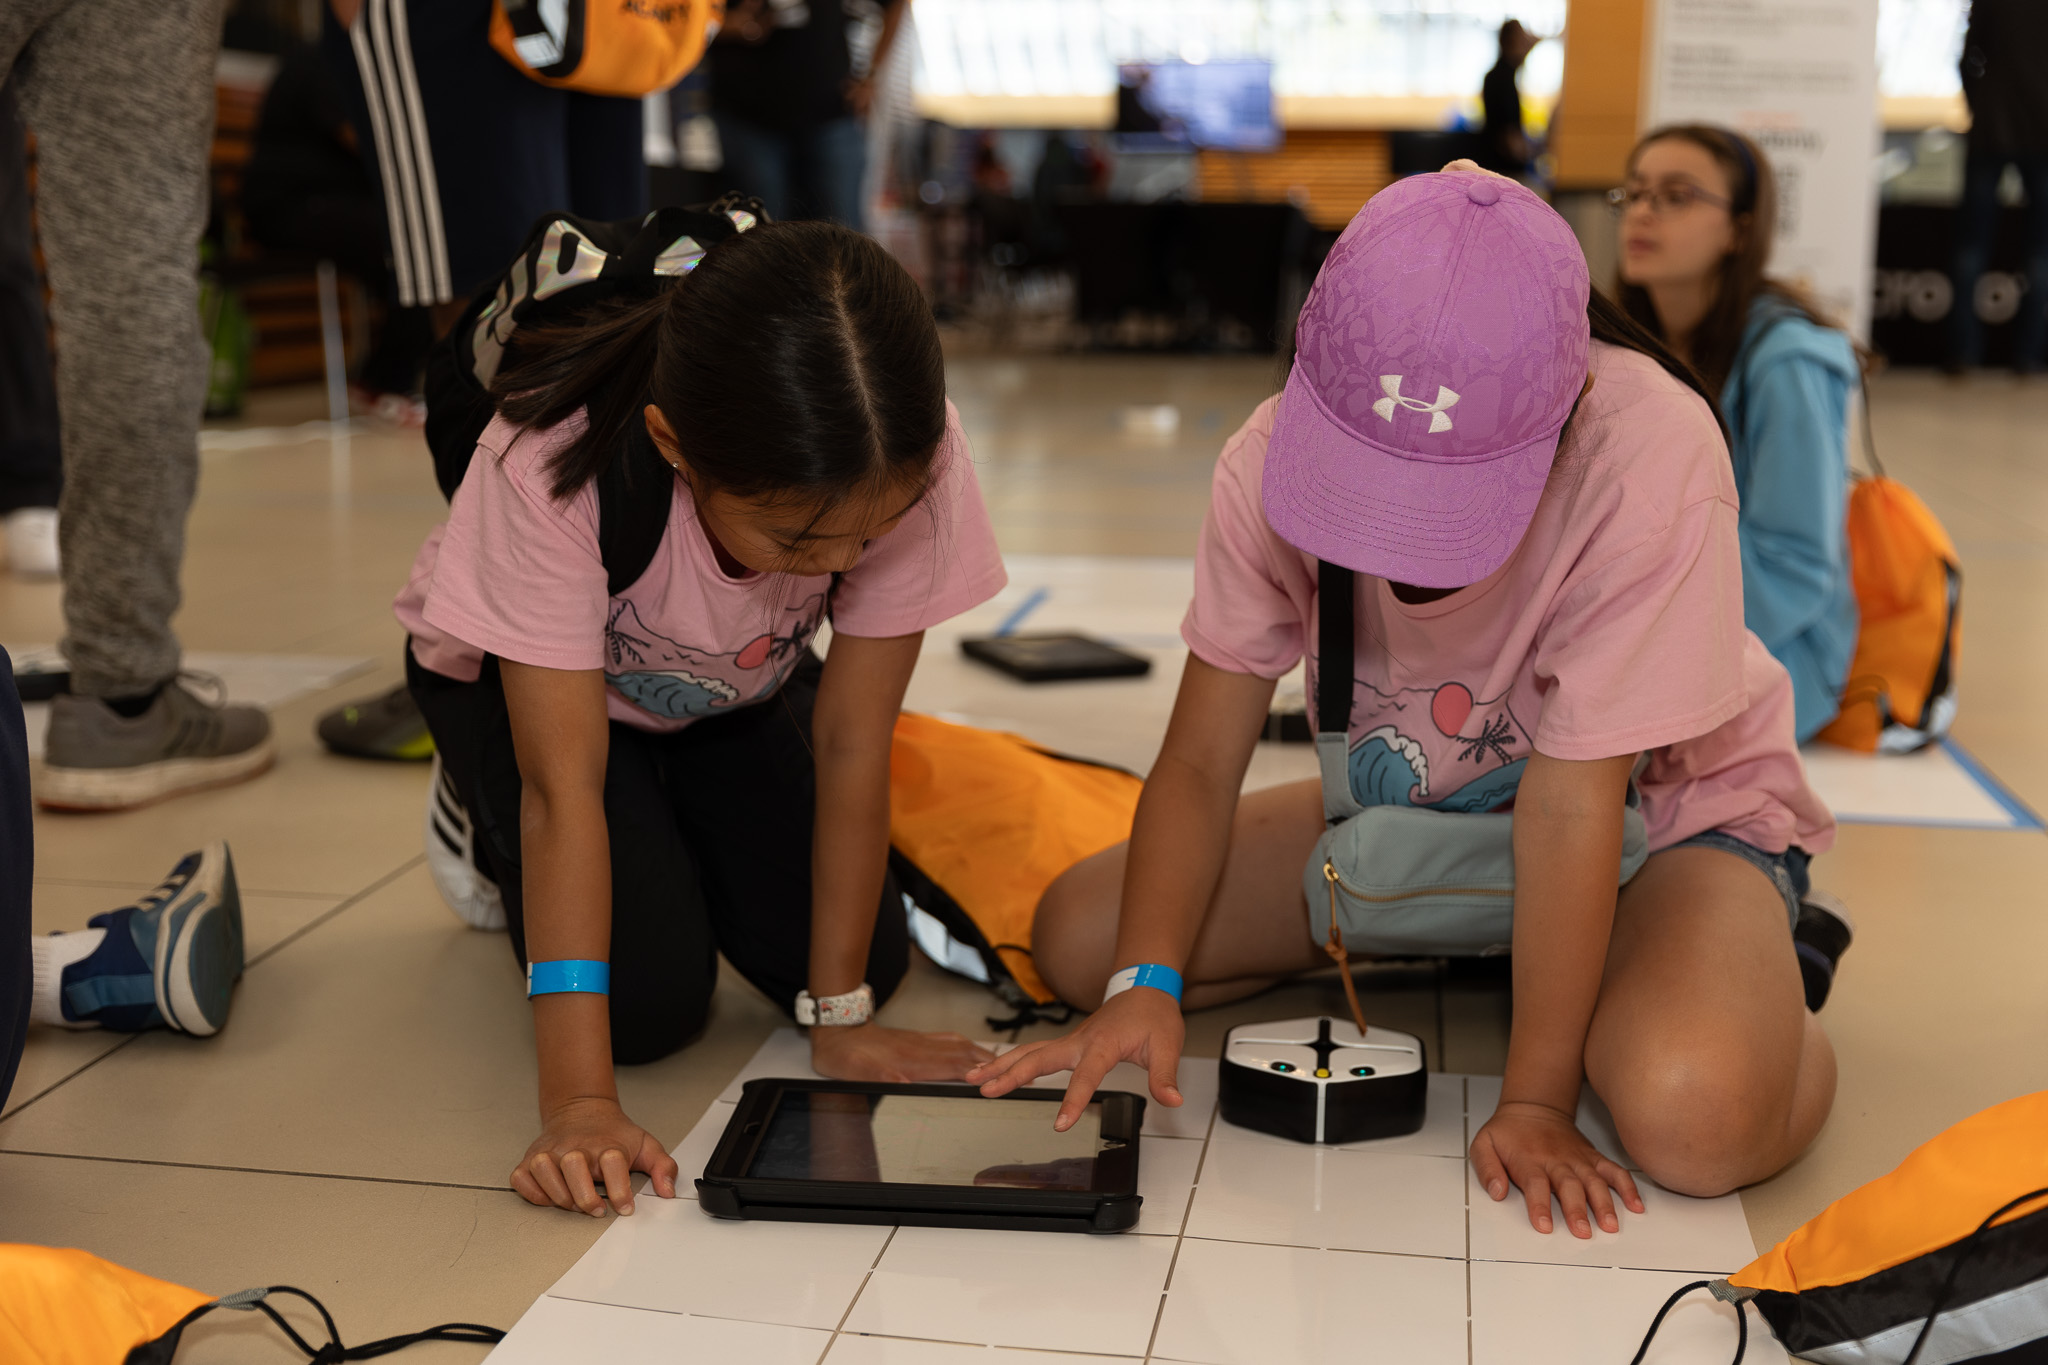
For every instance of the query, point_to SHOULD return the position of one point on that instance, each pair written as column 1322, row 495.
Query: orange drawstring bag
column 1901, row 691
column 980, row 823
column 1943, row 1260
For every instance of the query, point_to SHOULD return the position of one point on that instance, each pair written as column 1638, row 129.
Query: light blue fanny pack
column 1405, row 879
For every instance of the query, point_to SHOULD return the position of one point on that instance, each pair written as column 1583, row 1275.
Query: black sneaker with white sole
column 1821, row 936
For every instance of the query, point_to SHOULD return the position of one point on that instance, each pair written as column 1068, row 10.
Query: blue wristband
column 568, row 974
column 1158, row 976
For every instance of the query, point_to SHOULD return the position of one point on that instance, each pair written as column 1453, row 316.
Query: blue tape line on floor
column 1031, row 603
column 2022, row 814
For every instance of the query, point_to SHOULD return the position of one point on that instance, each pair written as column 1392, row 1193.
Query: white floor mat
column 1250, row 1251
column 267, row 680
column 1138, row 603
column 1941, row 785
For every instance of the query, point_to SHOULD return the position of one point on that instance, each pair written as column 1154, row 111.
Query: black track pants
column 711, row 850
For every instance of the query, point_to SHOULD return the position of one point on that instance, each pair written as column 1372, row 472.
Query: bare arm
column 852, row 729
column 1178, row 842
column 1182, row 828
column 1568, row 828
column 563, row 740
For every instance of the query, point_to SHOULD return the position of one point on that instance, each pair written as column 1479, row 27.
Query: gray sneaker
column 97, row 759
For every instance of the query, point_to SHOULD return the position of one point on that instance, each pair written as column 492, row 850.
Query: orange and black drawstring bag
column 1943, row 1260
column 62, row 1306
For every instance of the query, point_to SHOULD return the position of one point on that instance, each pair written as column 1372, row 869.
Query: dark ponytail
column 1615, row 327
column 797, row 361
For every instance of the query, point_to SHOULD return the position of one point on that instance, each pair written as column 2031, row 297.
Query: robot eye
column 1361, row 1071
column 1282, row 1066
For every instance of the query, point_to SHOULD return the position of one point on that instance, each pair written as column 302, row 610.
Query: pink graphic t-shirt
column 515, row 573
column 1614, row 628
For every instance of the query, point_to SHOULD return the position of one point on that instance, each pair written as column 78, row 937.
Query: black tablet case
column 1054, row 658
column 725, row 1191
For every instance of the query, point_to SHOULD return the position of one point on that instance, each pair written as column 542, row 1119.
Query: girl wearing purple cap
column 1534, row 501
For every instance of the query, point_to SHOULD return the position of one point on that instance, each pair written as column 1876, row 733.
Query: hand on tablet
column 1140, row 1025
column 587, row 1152
column 869, row 1052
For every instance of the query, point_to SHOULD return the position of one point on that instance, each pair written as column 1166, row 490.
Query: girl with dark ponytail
column 665, row 773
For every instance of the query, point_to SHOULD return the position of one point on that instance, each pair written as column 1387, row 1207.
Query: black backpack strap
column 1333, row 642
column 635, row 494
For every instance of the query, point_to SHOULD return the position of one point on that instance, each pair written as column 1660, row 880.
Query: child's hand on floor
column 1542, row 1151
column 1139, row 1025
column 587, row 1144
column 869, row 1052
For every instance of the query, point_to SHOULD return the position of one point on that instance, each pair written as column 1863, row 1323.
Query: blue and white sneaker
column 169, row 960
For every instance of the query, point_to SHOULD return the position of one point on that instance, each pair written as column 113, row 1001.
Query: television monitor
column 1226, row 105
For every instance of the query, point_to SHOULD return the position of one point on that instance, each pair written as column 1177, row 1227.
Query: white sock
column 49, row 955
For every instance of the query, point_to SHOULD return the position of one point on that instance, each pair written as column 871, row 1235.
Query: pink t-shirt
column 1615, row 628
column 515, row 573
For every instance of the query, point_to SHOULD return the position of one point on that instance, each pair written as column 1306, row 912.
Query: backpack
column 1944, row 1259
column 624, row 47
column 980, row 824
column 68, row 1307
column 1901, row 691
column 567, row 267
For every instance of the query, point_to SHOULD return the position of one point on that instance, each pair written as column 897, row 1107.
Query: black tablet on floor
column 1054, row 658
column 926, row 1156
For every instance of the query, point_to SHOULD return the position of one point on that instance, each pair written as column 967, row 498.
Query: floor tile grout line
column 854, row 1302
column 1465, row 1184
column 1442, row 1047
column 96, row 883
column 1180, row 1237
column 256, row 1170
column 68, row 1077
column 416, row 860
column 1334, row 1251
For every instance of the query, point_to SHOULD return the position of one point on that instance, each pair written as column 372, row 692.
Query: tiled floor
column 1251, row 1250
column 351, row 1130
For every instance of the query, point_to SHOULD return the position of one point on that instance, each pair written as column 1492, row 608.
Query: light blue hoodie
column 1787, row 404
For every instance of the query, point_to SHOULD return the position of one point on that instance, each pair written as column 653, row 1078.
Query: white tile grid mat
column 1138, row 603
column 267, row 680
column 1251, row 1251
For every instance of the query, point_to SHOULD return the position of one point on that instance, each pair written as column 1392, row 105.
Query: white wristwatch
column 836, row 1011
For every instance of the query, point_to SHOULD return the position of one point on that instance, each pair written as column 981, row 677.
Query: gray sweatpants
column 120, row 96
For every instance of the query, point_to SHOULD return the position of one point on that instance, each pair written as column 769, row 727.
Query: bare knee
column 1073, row 934
column 1697, row 1123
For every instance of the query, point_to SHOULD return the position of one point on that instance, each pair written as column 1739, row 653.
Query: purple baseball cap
column 1437, row 358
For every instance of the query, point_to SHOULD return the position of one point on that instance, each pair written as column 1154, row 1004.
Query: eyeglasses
column 1673, row 197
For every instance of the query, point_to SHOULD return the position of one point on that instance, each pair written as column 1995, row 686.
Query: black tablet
column 1054, row 658
column 927, row 1156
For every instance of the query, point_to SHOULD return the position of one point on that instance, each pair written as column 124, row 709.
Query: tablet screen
column 928, row 1140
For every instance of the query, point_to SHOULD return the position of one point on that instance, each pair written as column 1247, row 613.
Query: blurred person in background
column 469, row 150
column 306, row 188
column 2005, row 80
column 31, row 465
column 1697, row 214
column 790, row 98
column 120, row 96
column 1505, row 146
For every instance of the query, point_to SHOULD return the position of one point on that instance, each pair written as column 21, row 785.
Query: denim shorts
column 1786, row 870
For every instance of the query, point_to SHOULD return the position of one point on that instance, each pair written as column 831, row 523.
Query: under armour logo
column 1439, row 414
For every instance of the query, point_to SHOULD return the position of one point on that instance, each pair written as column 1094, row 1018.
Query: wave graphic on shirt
column 667, row 678
column 1422, row 739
